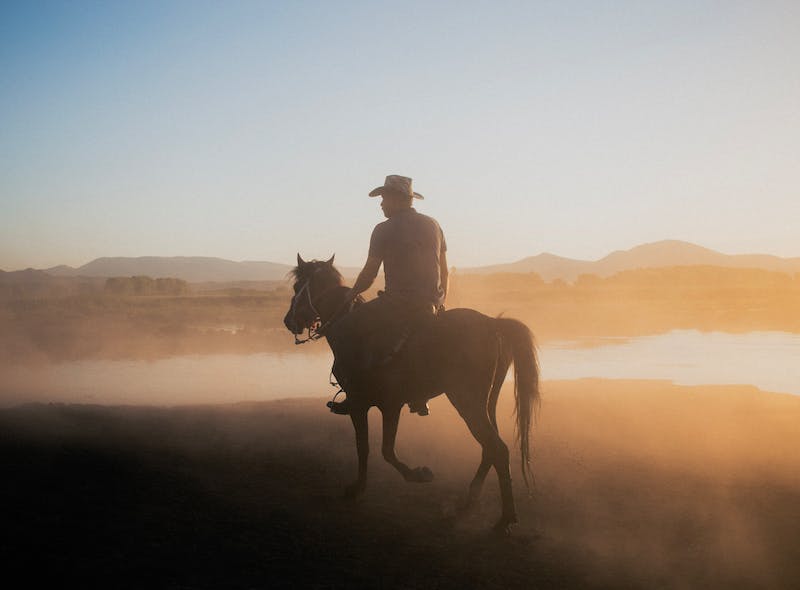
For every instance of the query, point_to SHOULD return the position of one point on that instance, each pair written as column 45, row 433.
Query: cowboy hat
column 395, row 183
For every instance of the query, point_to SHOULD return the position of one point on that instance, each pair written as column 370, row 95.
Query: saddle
column 377, row 334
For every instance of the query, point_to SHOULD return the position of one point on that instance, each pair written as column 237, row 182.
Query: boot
column 419, row 407
column 341, row 408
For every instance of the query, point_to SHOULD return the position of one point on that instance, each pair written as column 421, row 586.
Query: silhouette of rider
column 412, row 249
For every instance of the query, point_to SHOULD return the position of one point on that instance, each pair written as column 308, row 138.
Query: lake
column 767, row 360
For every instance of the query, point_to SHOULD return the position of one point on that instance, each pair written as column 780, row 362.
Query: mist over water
column 191, row 379
column 766, row 360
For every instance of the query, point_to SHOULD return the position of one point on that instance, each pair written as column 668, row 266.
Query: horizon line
column 472, row 266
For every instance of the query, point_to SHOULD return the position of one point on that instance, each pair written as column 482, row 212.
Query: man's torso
column 409, row 244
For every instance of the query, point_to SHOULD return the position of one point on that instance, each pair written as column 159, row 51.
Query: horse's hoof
column 420, row 475
column 504, row 527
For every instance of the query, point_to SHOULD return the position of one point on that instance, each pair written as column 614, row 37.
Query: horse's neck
column 332, row 302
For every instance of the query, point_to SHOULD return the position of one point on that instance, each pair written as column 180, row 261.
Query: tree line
column 143, row 285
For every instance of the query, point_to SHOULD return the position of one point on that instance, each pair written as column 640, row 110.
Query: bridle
column 317, row 328
column 313, row 333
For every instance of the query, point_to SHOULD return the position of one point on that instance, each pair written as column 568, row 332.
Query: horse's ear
column 300, row 261
column 329, row 262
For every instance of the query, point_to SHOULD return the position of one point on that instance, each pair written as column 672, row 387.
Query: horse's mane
column 305, row 270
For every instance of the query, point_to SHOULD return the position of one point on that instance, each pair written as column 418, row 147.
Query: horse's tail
column 526, row 383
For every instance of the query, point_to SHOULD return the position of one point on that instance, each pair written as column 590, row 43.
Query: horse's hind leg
column 495, row 452
column 476, row 485
column 490, row 440
column 500, row 371
column 391, row 419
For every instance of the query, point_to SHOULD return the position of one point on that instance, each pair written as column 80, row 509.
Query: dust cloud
column 639, row 484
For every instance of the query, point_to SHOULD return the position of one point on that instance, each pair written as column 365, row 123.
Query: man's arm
column 444, row 273
column 367, row 276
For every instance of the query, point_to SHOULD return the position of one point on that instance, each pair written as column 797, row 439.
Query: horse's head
column 311, row 280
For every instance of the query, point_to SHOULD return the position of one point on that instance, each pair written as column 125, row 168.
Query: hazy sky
column 252, row 130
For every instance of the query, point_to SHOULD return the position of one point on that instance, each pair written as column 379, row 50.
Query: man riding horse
column 412, row 249
column 394, row 350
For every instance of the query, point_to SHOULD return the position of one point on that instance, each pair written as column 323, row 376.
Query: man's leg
column 421, row 318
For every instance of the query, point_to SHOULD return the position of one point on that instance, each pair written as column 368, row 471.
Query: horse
column 462, row 353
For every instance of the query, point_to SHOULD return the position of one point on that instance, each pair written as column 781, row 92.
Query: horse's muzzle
column 292, row 326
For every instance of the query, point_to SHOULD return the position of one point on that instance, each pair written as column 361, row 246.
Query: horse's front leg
column 391, row 419
column 361, row 426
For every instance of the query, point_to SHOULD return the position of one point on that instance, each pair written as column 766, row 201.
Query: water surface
column 768, row 360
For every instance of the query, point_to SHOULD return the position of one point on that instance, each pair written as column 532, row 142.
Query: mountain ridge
column 549, row 266
column 658, row 254
column 194, row 269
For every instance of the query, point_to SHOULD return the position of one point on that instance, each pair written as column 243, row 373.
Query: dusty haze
column 640, row 484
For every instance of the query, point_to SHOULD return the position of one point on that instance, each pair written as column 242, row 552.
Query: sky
column 254, row 130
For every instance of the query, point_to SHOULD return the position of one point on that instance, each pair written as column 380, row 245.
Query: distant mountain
column 548, row 266
column 194, row 269
column 62, row 270
column 654, row 255
column 29, row 275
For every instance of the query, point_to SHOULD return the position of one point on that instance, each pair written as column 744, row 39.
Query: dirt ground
column 638, row 485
